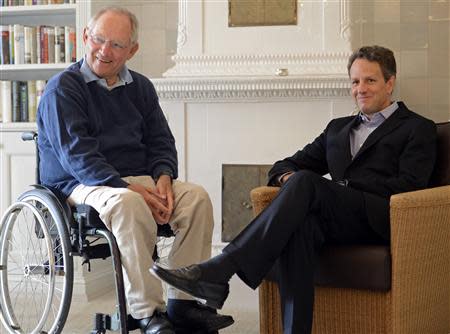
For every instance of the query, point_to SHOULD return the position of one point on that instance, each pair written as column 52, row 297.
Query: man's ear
column 133, row 50
column 391, row 84
column 85, row 35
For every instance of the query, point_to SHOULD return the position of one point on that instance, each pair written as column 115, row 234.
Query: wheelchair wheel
column 36, row 266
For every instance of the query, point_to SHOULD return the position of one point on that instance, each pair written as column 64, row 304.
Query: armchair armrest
column 262, row 196
column 420, row 251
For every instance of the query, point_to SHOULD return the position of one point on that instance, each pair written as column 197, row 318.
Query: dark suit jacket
column 397, row 157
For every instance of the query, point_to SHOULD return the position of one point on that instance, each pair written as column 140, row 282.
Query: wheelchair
column 39, row 236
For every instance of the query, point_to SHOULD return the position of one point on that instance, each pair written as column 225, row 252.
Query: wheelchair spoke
column 37, row 268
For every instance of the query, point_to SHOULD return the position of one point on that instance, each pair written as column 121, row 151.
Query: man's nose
column 106, row 47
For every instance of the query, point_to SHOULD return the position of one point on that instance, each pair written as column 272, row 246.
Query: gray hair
column 118, row 10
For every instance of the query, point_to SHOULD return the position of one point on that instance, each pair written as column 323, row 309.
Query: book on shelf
column 4, row 45
column 70, row 44
column 60, row 48
column 50, row 32
column 15, row 101
column 19, row 44
column 11, row 44
column 30, row 45
column 32, row 101
column 6, row 3
column 40, row 44
column 19, row 100
column 23, row 101
column 5, row 93
column 40, row 87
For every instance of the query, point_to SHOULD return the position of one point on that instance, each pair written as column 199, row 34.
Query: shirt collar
column 384, row 114
column 89, row 76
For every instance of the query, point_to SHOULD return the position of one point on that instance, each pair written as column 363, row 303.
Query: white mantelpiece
column 223, row 89
column 305, row 64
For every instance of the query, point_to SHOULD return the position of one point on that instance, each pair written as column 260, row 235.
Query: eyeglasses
column 100, row 40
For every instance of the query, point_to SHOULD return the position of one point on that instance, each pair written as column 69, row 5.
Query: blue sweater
column 92, row 136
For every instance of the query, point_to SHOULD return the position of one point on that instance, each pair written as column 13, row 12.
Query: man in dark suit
column 384, row 150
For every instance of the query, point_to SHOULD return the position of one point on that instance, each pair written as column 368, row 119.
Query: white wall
column 418, row 32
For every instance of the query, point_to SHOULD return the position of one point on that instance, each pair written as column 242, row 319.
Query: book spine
column 73, row 44
column 19, row 47
column 59, row 45
column 51, row 44
column 33, row 45
column 28, row 44
column 15, row 101
column 4, row 42
column 62, row 42
column 23, row 101
column 11, row 44
column 5, row 91
column 40, row 87
column 67, row 51
column 32, row 105
column 38, row 45
column 44, row 45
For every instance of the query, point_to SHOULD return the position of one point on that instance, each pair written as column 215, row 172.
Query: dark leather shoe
column 189, row 280
column 158, row 323
column 200, row 319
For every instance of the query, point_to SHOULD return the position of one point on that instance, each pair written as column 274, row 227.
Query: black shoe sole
column 211, row 330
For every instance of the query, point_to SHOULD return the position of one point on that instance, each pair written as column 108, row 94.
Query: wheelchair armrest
column 89, row 213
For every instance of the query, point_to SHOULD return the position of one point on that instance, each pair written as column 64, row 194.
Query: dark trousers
column 308, row 212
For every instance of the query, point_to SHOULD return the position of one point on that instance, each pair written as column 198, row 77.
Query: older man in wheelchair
column 106, row 149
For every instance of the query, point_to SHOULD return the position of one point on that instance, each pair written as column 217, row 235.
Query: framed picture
column 247, row 13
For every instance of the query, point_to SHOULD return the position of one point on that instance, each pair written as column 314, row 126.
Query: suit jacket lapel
column 394, row 121
column 343, row 138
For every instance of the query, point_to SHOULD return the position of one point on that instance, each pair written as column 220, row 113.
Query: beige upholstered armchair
column 403, row 288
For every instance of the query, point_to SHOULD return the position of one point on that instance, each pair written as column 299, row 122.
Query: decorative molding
column 182, row 15
column 345, row 22
column 252, row 88
column 308, row 64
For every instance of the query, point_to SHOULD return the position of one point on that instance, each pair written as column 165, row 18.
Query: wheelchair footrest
column 100, row 251
column 104, row 322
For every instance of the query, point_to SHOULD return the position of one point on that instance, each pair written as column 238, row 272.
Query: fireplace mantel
column 208, row 89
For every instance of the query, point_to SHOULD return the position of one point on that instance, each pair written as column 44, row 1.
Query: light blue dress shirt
column 124, row 76
column 359, row 133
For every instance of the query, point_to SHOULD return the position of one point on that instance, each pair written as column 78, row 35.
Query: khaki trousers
column 128, row 217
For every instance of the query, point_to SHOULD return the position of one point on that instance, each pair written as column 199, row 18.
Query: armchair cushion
column 366, row 267
column 355, row 267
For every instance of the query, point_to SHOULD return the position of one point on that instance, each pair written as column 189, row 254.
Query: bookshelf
column 17, row 158
column 20, row 74
column 74, row 15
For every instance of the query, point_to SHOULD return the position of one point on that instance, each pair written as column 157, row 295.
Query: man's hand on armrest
column 284, row 177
